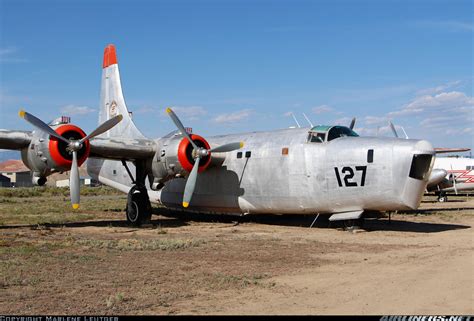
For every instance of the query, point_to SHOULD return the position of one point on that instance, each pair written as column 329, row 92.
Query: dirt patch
column 421, row 263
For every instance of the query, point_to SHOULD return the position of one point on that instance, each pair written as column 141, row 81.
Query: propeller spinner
column 198, row 153
column 73, row 146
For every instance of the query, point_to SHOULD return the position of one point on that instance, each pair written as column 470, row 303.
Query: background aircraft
column 326, row 169
column 458, row 177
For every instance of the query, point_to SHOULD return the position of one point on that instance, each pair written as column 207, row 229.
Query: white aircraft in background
column 459, row 176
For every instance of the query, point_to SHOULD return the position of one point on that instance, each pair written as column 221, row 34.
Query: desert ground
column 54, row 260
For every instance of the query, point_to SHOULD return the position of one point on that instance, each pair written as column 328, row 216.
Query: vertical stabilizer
column 112, row 102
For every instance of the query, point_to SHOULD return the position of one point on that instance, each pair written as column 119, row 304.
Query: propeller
column 453, row 176
column 73, row 146
column 353, row 122
column 198, row 153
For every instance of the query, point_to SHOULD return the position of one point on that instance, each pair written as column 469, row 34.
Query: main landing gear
column 138, row 206
column 138, row 209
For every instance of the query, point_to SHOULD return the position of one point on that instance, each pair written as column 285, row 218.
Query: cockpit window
column 316, row 137
column 340, row 131
column 321, row 134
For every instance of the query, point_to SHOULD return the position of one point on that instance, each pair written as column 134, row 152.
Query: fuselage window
column 239, row 155
column 370, row 156
column 248, row 154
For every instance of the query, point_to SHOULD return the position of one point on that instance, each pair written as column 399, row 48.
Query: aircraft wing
column 14, row 139
column 451, row 150
column 122, row 148
column 109, row 148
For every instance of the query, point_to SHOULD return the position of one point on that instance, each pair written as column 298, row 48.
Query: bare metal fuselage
column 280, row 172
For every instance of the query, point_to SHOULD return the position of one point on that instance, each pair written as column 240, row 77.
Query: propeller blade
column 180, row 126
column 454, row 180
column 393, row 129
column 105, row 126
column 38, row 123
column 74, row 188
column 190, row 184
column 227, row 147
column 353, row 121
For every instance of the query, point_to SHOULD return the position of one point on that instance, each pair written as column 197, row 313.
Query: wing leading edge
column 14, row 139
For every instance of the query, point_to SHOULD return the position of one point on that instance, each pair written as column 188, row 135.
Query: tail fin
column 112, row 102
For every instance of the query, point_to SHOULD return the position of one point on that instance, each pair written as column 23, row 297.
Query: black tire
column 353, row 223
column 138, row 210
column 442, row 198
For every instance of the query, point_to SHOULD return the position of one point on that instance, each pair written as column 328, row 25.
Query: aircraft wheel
column 353, row 224
column 138, row 206
column 442, row 198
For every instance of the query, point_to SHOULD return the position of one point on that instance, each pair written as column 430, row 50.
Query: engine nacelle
column 46, row 155
column 174, row 158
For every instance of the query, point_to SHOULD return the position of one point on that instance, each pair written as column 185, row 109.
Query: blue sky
column 233, row 66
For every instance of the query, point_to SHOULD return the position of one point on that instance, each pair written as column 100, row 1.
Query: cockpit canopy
column 322, row 134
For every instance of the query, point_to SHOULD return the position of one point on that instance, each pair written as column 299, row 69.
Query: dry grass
column 140, row 245
column 52, row 205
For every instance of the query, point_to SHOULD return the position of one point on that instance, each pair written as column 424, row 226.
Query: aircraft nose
column 422, row 160
column 420, row 165
column 423, row 147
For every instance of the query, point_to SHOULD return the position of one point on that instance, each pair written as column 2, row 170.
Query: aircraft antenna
column 307, row 119
column 404, row 132
column 296, row 121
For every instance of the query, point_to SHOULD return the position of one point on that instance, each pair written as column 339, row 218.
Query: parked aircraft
column 323, row 169
column 459, row 176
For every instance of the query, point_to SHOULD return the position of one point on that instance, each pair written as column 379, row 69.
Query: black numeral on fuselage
column 348, row 175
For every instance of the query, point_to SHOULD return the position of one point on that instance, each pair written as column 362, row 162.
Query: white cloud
column 439, row 89
column 322, row 109
column 9, row 54
column 233, row 117
column 72, row 110
column 447, row 25
column 344, row 121
column 453, row 101
column 189, row 112
column 375, row 120
column 146, row 110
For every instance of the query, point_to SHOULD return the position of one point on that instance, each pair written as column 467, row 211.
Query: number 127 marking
column 348, row 175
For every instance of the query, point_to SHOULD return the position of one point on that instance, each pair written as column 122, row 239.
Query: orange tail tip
column 110, row 57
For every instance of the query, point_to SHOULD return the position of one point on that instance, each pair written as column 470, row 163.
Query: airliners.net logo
column 427, row 318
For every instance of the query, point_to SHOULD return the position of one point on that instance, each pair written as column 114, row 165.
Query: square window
column 239, row 155
column 248, row 154
column 114, row 172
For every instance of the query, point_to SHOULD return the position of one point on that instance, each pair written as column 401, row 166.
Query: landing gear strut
column 138, row 209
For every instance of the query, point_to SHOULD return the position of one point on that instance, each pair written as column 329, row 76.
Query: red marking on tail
column 110, row 57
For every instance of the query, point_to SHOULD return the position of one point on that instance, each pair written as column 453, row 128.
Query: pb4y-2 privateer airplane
column 318, row 170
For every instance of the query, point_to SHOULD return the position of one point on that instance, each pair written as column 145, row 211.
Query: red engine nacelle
column 185, row 153
column 58, row 149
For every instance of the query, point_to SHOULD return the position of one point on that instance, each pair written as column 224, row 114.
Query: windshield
column 340, row 131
